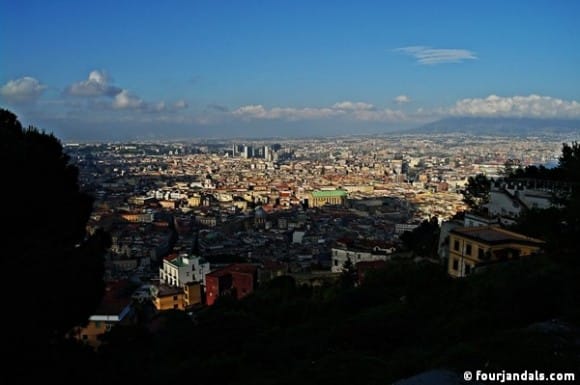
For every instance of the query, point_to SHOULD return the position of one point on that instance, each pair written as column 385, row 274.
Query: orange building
column 169, row 298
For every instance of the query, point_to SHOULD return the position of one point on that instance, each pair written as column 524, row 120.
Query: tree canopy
column 53, row 272
column 423, row 240
column 559, row 225
column 476, row 191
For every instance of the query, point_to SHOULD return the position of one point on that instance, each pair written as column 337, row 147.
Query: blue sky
column 111, row 69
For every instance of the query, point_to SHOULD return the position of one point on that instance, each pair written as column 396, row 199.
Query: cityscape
column 289, row 201
column 281, row 193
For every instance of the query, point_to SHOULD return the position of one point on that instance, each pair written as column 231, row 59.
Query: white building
column 341, row 255
column 179, row 270
column 507, row 201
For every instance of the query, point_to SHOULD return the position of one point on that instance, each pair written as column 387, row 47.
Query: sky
column 105, row 70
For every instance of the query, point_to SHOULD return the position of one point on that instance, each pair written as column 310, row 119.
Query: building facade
column 238, row 280
column 356, row 255
column 170, row 298
column 327, row 197
column 473, row 247
column 182, row 269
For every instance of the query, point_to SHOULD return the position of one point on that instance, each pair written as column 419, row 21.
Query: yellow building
column 168, row 204
column 327, row 197
column 169, row 298
column 194, row 201
column 473, row 247
column 193, row 293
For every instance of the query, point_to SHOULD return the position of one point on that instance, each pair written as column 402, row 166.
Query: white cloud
column 251, row 111
column 124, row 100
column 431, row 56
column 352, row 106
column 353, row 110
column 533, row 106
column 402, row 99
column 96, row 85
column 22, row 90
column 97, row 88
column 258, row 111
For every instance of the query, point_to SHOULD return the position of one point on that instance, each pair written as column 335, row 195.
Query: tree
column 52, row 271
column 569, row 162
column 558, row 225
column 348, row 276
column 476, row 191
column 510, row 167
column 424, row 239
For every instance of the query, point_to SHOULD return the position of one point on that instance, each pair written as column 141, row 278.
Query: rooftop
column 495, row 235
column 168, row 291
column 328, row 193
column 244, row 268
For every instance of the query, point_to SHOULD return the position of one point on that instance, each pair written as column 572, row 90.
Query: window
column 456, row 245
column 467, row 269
column 175, row 306
column 480, row 253
column 455, row 264
column 175, row 298
column 336, row 262
column 468, row 249
column 97, row 324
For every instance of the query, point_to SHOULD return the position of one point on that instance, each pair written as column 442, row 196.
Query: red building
column 238, row 280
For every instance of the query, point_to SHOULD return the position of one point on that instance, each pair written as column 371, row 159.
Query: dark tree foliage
column 476, row 191
column 568, row 169
column 52, row 272
column 569, row 162
column 423, row 240
column 348, row 276
column 404, row 319
column 530, row 172
column 559, row 225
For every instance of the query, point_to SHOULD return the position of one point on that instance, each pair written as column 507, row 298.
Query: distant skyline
column 178, row 69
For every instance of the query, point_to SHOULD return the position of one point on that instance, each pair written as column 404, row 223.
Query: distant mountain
column 501, row 126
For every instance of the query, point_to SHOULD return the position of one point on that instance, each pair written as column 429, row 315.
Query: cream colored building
column 472, row 247
column 327, row 197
